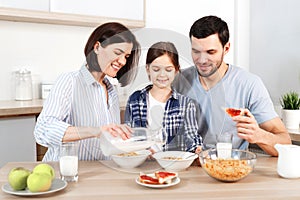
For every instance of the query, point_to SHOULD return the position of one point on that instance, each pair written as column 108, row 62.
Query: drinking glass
column 68, row 161
column 224, row 145
column 158, row 136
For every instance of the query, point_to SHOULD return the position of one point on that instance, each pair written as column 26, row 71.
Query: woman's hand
column 79, row 133
column 122, row 130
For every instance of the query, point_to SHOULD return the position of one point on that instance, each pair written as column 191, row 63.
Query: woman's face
column 113, row 57
column 161, row 72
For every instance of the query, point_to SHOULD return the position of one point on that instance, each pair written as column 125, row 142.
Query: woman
column 157, row 105
column 84, row 103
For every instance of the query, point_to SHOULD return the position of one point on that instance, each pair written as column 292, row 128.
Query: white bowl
column 175, row 160
column 127, row 160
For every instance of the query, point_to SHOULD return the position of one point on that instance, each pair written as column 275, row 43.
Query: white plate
column 175, row 181
column 57, row 185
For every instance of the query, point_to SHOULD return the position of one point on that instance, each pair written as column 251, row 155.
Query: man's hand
column 247, row 127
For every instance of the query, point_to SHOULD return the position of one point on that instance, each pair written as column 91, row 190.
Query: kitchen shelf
column 34, row 16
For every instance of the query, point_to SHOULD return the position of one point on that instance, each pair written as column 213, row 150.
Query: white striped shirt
column 76, row 99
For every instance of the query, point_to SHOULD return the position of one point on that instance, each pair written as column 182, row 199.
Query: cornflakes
column 227, row 169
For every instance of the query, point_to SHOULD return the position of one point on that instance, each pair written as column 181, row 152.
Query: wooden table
column 97, row 181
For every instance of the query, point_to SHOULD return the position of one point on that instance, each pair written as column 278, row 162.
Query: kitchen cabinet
column 133, row 9
column 89, row 13
column 17, row 141
column 17, row 122
column 42, row 5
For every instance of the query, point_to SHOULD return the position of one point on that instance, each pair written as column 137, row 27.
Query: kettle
column 288, row 164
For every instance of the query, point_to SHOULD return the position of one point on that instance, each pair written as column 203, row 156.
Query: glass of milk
column 224, row 145
column 68, row 161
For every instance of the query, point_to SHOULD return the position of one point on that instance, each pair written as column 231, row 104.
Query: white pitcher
column 288, row 164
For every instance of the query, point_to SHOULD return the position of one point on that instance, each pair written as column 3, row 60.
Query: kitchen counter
column 295, row 134
column 33, row 107
column 97, row 181
column 20, row 108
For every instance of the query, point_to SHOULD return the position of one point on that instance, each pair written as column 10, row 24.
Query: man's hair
column 210, row 25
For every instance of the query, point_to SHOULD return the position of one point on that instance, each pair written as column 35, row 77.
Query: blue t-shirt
column 237, row 89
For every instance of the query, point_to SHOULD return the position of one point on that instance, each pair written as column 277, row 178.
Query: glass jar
column 23, row 85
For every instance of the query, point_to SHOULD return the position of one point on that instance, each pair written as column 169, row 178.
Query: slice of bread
column 232, row 112
column 148, row 179
column 165, row 177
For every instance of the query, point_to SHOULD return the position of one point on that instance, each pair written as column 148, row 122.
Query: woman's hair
column 111, row 33
column 163, row 48
column 210, row 25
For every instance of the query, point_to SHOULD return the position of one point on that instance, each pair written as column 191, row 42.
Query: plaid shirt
column 179, row 119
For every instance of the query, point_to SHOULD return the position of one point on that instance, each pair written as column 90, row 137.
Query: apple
column 44, row 168
column 39, row 182
column 17, row 178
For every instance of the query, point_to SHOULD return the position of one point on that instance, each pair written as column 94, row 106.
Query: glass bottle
column 23, row 85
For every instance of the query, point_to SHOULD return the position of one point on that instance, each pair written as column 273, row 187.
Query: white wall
column 179, row 15
column 173, row 24
column 46, row 50
column 49, row 50
column 242, row 34
column 275, row 45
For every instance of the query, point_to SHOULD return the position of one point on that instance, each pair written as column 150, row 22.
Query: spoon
column 189, row 156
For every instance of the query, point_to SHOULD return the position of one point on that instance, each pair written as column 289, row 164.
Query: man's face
column 207, row 54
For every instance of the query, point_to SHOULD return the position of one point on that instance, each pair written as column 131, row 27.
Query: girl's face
column 161, row 72
column 113, row 57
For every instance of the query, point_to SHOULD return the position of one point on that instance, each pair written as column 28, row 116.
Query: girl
column 157, row 105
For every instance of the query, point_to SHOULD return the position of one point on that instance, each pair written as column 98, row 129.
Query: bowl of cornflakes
column 131, row 159
column 234, row 168
column 175, row 160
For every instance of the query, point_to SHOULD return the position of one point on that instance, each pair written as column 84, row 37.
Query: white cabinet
column 132, row 9
column 75, row 12
column 17, row 141
column 42, row 5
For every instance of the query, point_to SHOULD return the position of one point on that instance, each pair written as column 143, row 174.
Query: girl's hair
column 111, row 33
column 163, row 48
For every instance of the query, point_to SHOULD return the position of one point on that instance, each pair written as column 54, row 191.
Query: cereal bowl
column 175, row 160
column 232, row 169
column 131, row 159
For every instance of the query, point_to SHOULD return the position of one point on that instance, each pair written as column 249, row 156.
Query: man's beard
column 214, row 70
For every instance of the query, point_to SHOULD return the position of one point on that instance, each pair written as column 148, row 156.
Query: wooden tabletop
column 98, row 181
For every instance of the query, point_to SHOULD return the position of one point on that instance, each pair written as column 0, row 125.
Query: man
column 216, row 85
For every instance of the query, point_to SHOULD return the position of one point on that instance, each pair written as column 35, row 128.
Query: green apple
column 39, row 182
column 17, row 178
column 44, row 168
